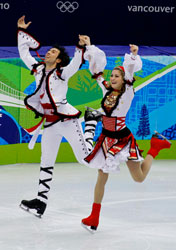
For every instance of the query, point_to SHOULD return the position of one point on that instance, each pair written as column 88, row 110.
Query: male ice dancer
column 49, row 101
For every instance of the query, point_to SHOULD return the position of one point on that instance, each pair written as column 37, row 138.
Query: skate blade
column 162, row 136
column 31, row 211
column 88, row 228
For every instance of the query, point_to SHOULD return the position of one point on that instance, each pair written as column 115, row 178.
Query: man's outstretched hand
column 21, row 23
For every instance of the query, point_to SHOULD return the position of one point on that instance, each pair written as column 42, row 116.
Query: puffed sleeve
column 96, row 58
column 131, row 65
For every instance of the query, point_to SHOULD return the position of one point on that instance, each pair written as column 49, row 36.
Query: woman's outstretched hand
column 134, row 49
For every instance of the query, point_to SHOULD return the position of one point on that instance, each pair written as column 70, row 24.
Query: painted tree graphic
column 144, row 126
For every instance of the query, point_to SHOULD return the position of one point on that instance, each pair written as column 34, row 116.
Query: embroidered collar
column 110, row 101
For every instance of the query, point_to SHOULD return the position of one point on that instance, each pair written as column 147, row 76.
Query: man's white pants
column 52, row 136
column 51, row 139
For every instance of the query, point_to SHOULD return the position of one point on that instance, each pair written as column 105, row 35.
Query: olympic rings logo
column 67, row 6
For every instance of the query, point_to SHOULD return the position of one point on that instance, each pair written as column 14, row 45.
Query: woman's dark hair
column 63, row 55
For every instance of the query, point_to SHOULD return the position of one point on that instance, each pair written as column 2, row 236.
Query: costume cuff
column 26, row 37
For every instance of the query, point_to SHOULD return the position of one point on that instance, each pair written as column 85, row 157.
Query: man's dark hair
column 63, row 55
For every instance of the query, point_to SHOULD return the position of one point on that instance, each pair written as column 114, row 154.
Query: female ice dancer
column 116, row 144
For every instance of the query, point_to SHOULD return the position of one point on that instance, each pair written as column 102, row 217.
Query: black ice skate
column 92, row 114
column 34, row 206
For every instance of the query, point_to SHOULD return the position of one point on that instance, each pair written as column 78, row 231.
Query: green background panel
column 19, row 153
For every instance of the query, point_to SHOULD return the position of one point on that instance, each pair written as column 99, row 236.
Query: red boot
column 91, row 222
column 157, row 144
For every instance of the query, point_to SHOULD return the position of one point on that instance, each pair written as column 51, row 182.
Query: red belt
column 52, row 118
